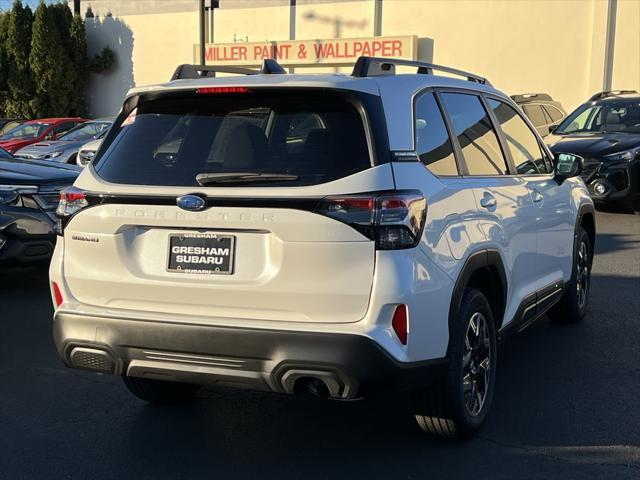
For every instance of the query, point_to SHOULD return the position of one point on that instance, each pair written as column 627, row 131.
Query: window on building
column 527, row 155
column 433, row 144
column 476, row 136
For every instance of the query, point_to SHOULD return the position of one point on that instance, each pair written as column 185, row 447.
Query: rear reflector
column 216, row 90
column 57, row 295
column 399, row 323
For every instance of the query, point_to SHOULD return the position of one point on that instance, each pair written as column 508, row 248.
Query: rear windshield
column 238, row 139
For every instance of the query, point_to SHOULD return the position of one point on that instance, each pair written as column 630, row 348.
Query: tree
column 51, row 67
column 80, row 61
column 4, row 63
column 20, row 87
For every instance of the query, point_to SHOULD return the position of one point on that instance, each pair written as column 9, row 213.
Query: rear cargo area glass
column 314, row 136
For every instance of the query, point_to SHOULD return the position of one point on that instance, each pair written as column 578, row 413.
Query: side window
column 476, row 136
column 62, row 128
column 555, row 114
column 525, row 150
column 536, row 115
column 433, row 144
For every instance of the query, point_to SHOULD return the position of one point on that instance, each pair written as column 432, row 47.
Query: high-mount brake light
column 72, row 200
column 217, row 90
column 395, row 220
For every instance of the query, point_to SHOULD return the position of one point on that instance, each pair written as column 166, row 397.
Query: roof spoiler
column 376, row 66
column 609, row 93
column 525, row 97
column 187, row 71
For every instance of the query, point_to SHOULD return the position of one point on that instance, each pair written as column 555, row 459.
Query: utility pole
column 202, row 40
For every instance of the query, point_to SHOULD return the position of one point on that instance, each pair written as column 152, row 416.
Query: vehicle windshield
column 4, row 154
column 86, row 131
column 26, row 130
column 252, row 139
column 606, row 117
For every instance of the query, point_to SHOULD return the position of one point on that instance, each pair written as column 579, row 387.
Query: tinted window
column 432, row 139
column 62, row 128
column 523, row 144
column 475, row 133
column 312, row 138
column 535, row 114
column 555, row 114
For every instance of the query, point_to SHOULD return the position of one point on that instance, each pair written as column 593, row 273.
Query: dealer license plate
column 201, row 253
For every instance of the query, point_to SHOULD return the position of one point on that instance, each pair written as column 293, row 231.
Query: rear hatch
column 205, row 205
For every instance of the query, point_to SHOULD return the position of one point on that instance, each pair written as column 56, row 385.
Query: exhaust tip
column 92, row 359
column 312, row 386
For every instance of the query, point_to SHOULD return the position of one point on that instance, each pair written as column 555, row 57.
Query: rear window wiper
column 206, row 179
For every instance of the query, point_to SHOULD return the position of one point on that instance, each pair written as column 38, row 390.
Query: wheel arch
column 485, row 271
column 587, row 220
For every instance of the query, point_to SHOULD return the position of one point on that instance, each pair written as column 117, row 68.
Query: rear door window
column 555, row 114
column 306, row 137
column 476, row 136
column 433, row 144
column 536, row 115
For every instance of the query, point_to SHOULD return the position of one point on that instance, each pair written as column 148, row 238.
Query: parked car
column 605, row 131
column 65, row 148
column 543, row 111
column 8, row 124
column 35, row 131
column 88, row 151
column 339, row 235
column 29, row 194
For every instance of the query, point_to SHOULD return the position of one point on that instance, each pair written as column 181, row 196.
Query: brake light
column 217, row 90
column 399, row 323
column 57, row 295
column 72, row 200
column 394, row 220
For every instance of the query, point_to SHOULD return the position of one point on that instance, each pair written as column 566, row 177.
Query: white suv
column 332, row 234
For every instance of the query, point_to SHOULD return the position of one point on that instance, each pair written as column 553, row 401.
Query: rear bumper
column 26, row 236
column 270, row 360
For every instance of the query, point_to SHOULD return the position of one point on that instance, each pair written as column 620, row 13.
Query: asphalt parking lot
column 566, row 405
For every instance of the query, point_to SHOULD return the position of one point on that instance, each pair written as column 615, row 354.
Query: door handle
column 536, row 196
column 488, row 201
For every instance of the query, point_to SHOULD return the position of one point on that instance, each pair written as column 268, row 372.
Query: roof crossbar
column 186, row 71
column 376, row 66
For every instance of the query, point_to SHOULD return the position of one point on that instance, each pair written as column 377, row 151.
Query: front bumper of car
column 612, row 182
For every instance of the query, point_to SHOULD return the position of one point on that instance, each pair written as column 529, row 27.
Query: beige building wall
column 552, row 46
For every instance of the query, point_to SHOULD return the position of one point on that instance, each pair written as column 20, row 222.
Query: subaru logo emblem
column 193, row 203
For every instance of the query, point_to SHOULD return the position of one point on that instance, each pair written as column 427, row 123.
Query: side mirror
column 567, row 165
column 553, row 126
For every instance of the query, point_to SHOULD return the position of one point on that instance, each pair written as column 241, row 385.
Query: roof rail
column 609, row 93
column 186, row 71
column 376, row 66
column 526, row 97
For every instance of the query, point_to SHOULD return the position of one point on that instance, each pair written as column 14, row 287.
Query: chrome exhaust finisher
column 92, row 359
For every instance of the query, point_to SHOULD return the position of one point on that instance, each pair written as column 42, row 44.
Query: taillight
column 72, row 200
column 394, row 220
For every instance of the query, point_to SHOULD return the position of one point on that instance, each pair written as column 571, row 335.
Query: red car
column 36, row 131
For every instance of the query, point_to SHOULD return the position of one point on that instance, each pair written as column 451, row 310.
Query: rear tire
column 572, row 307
column 457, row 407
column 160, row 391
